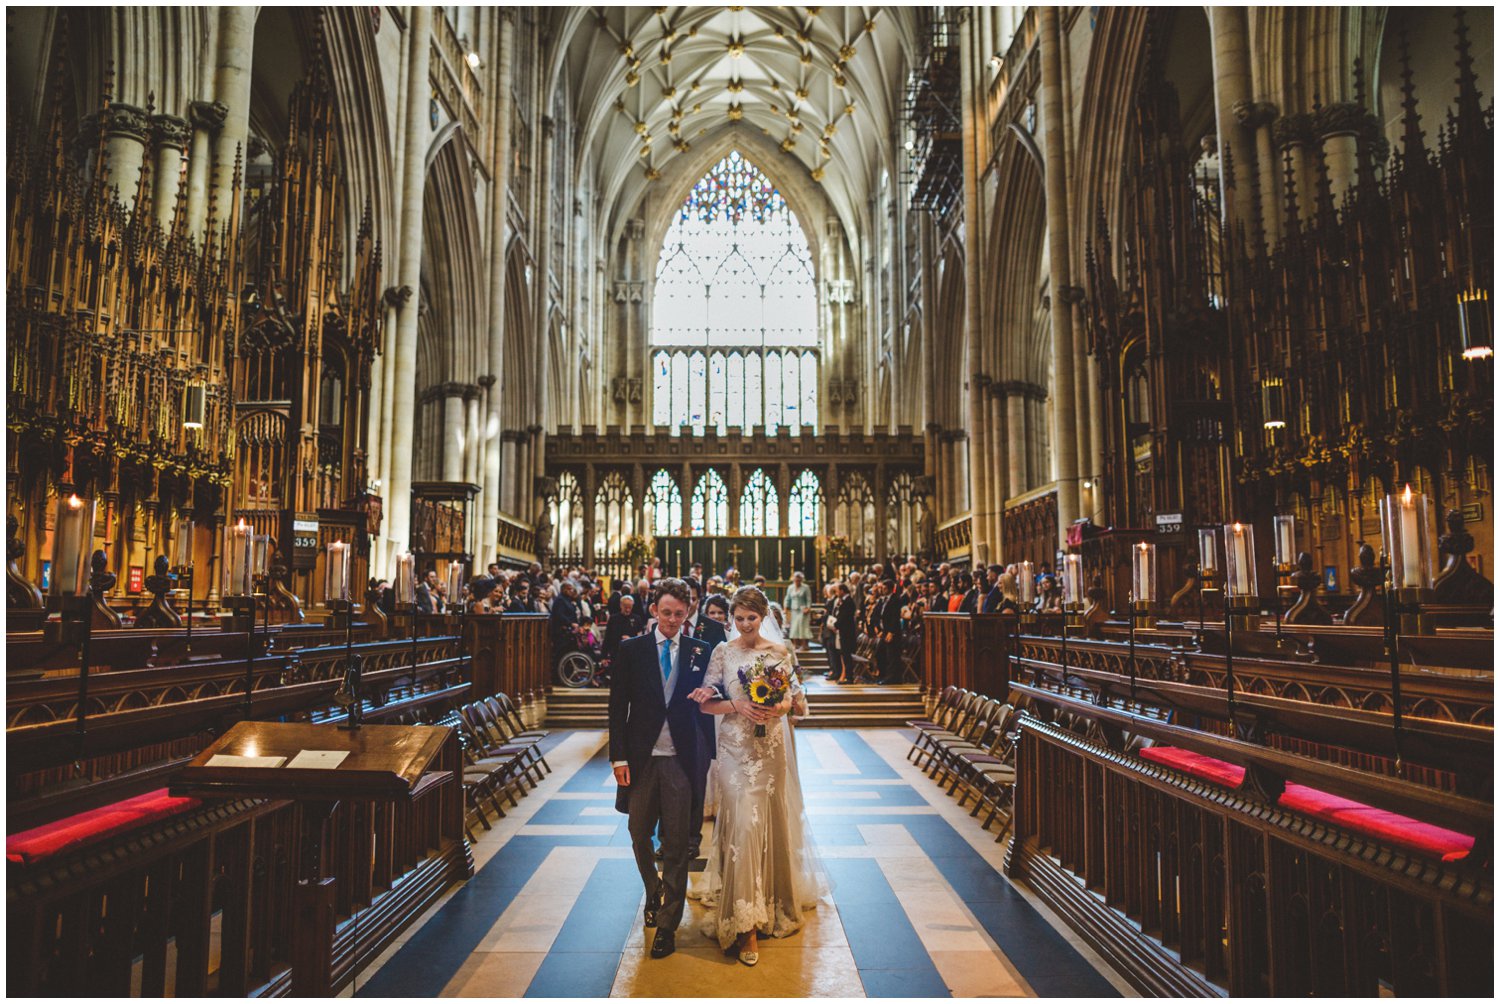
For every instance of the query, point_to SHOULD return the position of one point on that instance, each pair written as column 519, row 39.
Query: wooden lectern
column 383, row 763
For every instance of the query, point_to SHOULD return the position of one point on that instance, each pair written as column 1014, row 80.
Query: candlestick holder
column 1410, row 609
column 348, row 695
column 1244, row 612
column 240, row 616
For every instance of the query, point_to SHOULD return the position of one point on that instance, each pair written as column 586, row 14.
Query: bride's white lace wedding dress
column 762, row 870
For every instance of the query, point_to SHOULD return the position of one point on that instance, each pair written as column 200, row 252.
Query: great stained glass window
column 804, row 506
column 735, row 290
column 710, row 508
column 566, row 510
column 760, row 514
column 614, row 515
column 903, row 515
column 665, row 505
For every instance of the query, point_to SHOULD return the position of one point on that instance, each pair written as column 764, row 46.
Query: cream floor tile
column 886, row 835
column 830, row 755
column 979, row 974
column 785, row 971
column 568, row 830
column 601, row 810
column 529, row 924
column 495, row 974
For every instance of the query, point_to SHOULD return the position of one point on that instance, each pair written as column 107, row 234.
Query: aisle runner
column 917, row 910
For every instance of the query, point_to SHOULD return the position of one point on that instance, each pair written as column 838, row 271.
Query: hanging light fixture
column 1474, row 324
column 1273, row 402
column 194, row 404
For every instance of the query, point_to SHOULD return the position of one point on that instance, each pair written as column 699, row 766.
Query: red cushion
column 1196, row 764
column 31, row 846
column 1391, row 827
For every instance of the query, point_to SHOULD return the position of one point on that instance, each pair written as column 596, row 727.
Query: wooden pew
column 1200, row 887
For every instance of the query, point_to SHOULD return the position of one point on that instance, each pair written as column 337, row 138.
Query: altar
column 774, row 557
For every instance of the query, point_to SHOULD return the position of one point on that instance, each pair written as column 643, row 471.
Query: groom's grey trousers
column 663, row 792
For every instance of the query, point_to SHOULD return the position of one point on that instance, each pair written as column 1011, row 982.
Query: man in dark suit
column 712, row 634
column 846, row 636
column 564, row 623
column 992, row 597
column 621, row 626
column 886, row 619
column 658, row 750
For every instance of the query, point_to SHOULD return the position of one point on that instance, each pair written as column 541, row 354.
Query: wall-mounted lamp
column 1474, row 324
column 1273, row 402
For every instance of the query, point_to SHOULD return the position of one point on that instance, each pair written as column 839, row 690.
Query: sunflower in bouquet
column 766, row 685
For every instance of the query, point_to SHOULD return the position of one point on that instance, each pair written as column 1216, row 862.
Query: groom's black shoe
column 664, row 945
column 653, row 904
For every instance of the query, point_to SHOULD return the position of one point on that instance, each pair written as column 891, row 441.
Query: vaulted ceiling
column 821, row 84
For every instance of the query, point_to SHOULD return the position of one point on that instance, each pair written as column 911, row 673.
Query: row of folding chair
column 501, row 757
column 969, row 746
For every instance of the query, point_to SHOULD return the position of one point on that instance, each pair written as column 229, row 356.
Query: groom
column 658, row 747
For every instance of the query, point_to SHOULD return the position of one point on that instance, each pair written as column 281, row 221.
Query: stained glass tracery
column 664, row 505
column 710, row 506
column 760, row 511
column 735, row 275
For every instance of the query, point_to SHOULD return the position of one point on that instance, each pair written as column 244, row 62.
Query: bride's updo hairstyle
column 751, row 598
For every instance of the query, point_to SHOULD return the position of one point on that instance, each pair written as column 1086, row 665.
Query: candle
column 1405, row 519
column 1073, row 578
column 1285, row 528
column 455, row 581
column 1026, row 580
column 183, row 552
column 262, row 556
column 238, row 555
column 337, row 586
column 405, row 582
column 1239, row 551
column 71, row 539
column 1208, row 552
column 1143, row 578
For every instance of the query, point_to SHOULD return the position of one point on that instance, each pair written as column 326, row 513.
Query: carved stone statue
column 1307, row 609
column 1458, row 582
column 1368, row 579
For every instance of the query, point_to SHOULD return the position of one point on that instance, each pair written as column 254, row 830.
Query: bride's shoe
column 749, row 958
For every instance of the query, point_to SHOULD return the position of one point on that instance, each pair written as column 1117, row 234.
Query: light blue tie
column 666, row 659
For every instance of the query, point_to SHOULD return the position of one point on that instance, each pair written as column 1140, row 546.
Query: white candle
column 1027, row 582
column 1411, row 542
column 1073, row 578
column 1239, row 546
column 338, row 572
column 405, row 583
column 237, row 558
column 1286, row 539
column 455, row 581
column 1144, row 581
column 184, row 555
column 70, row 543
column 1208, row 553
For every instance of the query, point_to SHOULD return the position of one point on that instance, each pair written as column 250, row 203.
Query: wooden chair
column 951, row 728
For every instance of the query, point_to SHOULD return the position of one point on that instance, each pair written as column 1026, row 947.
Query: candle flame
column 1406, row 496
column 1238, row 528
column 74, row 502
column 241, row 525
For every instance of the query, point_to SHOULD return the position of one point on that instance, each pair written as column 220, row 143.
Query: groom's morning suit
column 657, row 731
column 712, row 634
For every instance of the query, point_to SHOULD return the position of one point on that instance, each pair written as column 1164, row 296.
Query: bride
column 762, row 874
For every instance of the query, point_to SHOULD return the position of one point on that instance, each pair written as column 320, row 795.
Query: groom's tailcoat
column 638, row 708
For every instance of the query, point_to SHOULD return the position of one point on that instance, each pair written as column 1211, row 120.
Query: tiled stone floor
column 918, row 907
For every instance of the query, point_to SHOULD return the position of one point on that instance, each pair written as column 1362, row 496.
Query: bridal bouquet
column 766, row 685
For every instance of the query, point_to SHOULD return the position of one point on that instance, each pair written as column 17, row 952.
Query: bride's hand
column 701, row 694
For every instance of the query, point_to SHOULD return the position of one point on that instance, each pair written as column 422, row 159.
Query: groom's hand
column 622, row 775
column 702, row 694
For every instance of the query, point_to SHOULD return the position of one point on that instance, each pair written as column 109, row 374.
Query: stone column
column 1004, row 447
column 207, row 117
column 1340, row 126
column 1064, row 405
column 126, row 129
column 934, row 463
column 172, row 136
column 590, row 514
column 232, row 90
column 1258, row 116
column 1292, row 135
column 1231, row 56
column 508, row 440
column 783, row 498
column 1019, row 451
column 975, row 135
column 473, row 396
column 538, row 469
column 404, row 364
column 453, row 433
column 500, row 161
